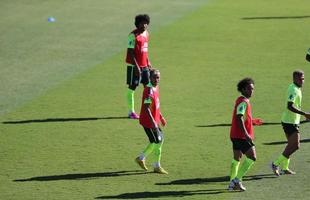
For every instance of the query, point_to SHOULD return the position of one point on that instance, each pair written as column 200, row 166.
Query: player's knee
column 253, row 158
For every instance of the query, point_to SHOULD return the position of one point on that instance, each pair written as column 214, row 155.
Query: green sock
column 246, row 165
column 286, row 163
column 131, row 100
column 234, row 168
column 148, row 149
column 280, row 159
column 157, row 151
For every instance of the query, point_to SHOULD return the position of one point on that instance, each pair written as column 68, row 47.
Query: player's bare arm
column 132, row 57
column 292, row 108
column 242, row 127
column 148, row 111
column 163, row 120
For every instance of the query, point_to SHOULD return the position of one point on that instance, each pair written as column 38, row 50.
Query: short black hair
column 298, row 73
column 140, row 18
column 244, row 83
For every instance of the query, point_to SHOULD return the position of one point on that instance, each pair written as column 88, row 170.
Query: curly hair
column 142, row 18
column 244, row 83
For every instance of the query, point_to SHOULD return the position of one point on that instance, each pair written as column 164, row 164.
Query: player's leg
column 249, row 150
column 247, row 163
column 237, row 155
column 234, row 168
column 293, row 143
column 157, row 150
column 235, row 163
column 148, row 150
column 133, row 82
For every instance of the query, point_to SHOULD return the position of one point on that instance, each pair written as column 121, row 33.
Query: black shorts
column 241, row 145
column 133, row 79
column 290, row 129
column 308, row 57
column 154, row 136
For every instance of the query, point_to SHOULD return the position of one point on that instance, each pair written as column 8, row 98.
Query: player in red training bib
column 137, row 60
column 242, row 135
column 150, row 118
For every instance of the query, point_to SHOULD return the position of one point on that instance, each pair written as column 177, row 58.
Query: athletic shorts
column 290, row 129
column 133, row 79
column 241, row 145
column 154, row 136
column 308, row 57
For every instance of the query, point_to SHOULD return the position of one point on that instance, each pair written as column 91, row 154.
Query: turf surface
column 66, row 136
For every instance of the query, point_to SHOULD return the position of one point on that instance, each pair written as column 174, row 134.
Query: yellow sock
column 234, row 168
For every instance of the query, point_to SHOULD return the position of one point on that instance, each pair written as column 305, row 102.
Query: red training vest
column 140, row 50
column 153, row 93
column 235, row 131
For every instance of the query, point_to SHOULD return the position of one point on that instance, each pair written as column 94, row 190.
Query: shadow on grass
column 61, row 120
column 197, row 181
column 259, row 177
column 276, row 17
column 82, row 176
column 164, row 194
column 285, row 142
column 215, row 180
column 219, row 125
column 264, row 124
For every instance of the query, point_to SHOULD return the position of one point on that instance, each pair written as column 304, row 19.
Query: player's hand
column 307, row 116
column 138, row 71
column 257, row 122
column 163, row 121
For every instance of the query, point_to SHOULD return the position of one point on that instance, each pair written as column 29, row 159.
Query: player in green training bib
column 290, row 123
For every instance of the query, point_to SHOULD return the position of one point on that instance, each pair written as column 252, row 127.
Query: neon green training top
column 293, row 95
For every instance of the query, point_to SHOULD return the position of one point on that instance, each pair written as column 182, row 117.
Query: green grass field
column 63, row 127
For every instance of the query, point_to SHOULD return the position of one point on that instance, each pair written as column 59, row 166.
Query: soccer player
column 137, row 60
column 290, row 123
column 150, row 117
column 242, row 135
column 308, row 55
